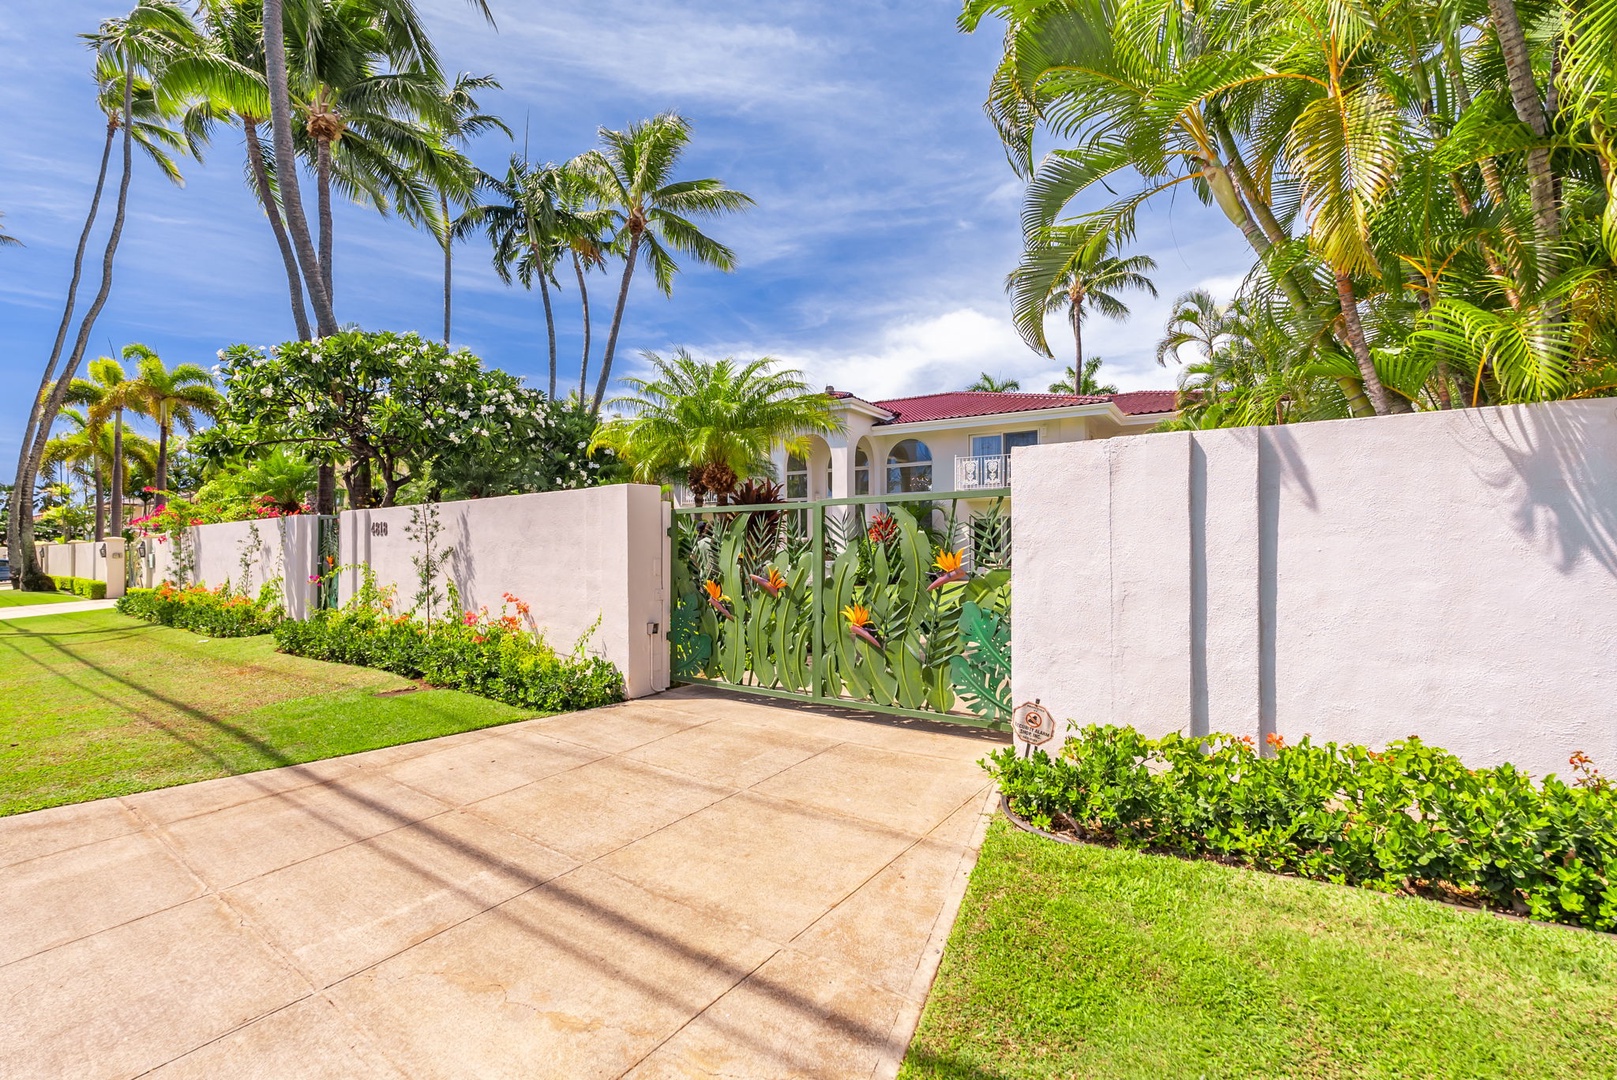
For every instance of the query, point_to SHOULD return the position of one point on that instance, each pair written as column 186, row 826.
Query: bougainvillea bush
column 503, row 657
column 221, row 612
column 1410, row 819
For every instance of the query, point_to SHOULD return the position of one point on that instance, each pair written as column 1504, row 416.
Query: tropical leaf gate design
column 900, row 604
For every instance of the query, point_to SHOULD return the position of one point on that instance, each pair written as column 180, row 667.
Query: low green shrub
column 494, row 658
column 220, row 613
column 85, row 587
column 1411, row 819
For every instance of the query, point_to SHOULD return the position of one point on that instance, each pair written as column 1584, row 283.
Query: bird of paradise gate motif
column 896, row 614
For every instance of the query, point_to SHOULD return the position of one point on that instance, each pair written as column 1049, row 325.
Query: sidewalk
column 9, row 613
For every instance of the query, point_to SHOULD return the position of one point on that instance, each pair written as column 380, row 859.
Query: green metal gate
column 896, row 603
column 327, row 555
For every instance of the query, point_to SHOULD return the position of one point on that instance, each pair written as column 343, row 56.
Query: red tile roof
column 963, row 403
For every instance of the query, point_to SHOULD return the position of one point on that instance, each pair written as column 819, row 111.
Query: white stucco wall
column 573, row 556
column 284, row 548
column 1451, row 575
column 95, row 560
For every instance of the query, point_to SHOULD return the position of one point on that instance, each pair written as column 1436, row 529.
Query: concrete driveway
column 688, row 886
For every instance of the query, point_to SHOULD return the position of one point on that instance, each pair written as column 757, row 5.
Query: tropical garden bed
column 98, row 704
column 1082, row 960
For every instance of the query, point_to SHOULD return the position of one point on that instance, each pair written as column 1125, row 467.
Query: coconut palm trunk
column 118, row 479
column 449, row 261
column 21, row 506
column 165, row 420
column 584, row 303
column 617, row 318
column 1530, row 111
column 286, row 167
column 32, row 578
column 1353, row 330
column 550, row 317
column 272, row 210
column 1075, row 316
column 100, row 497
column 323, row 201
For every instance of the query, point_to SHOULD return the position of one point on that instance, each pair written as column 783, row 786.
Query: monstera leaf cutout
column 982, row 669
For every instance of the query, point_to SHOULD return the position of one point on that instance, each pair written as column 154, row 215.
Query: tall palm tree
column 1084, row 381
column 632, row 175
column 399, row 14
column 170, row 397
column 1067, row 267
column 128, row 50
column 458, row 120
column 584, row 228
column 107, row 394
column 89, row 450
column 522, row 222
column 712, row 423
column 988, row 384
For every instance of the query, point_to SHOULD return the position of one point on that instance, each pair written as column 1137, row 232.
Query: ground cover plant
column 98, row 704
column 223, row 612
column 1412, row 818
column 1076, row 960
column 502, row 657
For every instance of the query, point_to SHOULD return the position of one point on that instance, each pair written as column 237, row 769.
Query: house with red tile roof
column 958, row 441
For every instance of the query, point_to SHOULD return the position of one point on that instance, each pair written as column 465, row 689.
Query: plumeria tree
column 392, row 408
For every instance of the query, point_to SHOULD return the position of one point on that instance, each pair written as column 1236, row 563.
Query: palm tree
column 713, row 423
column 632, row 176
column 400, row 16
column 84, row 450
column 153, row 33
column 522, row 222
column 1086, row 381
column 109, row 393
column 456, row 122
column 170, row 397
column 987, row 384
column 1066, row 267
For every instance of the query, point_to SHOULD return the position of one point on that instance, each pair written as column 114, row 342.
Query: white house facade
column 957, row 441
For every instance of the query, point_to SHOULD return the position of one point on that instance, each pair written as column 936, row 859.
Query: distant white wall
column 574, row 556
column 1451, row 575
column 95, row 560
column 272, row 548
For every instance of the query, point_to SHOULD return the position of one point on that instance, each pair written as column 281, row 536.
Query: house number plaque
column 378, row 528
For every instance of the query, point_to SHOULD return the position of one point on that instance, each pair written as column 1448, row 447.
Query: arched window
column 861, row 472
column 796, row 477
column 909, row 467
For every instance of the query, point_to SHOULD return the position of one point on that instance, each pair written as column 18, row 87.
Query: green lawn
column 1080, row 961
column 98, row 704
column 10, row 597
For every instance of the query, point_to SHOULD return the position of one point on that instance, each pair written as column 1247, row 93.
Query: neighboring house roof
column 962, row 403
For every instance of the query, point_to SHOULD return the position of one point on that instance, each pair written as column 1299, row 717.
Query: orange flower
column 716, row 598
column 858, row 617
column 772, row 584
column 952, row 565
column 1275, row 740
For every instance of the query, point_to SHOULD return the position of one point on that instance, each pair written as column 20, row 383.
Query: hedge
column 220, row 613
column 1411, row 819
column 494, row 659
column 78, row 586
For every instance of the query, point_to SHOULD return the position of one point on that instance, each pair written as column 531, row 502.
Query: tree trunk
column 33, row 580
column 100, row 499
column 325, row 492
column 550, row 319
column 22, row 555
column 584, row 302
column 1354, row 332
column 1530, row 110
column 617, row 324
column 449, row 261
column 1075, row 316
column 272, row 210
column 286, row 166
column 323, row 206
column 164, row 422
column 118, row 473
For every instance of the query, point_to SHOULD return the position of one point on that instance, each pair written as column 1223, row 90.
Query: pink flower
column 313, row 578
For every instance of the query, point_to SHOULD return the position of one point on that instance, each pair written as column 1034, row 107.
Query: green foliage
column 396, row 406
column 215, row 613
column 982, row 669
column 495, row 658
column 85, row 587
column 1413, row 818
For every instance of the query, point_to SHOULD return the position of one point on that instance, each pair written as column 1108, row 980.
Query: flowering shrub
column 503, row 656
column 220, row 613
column 1411, row 819
column 177, row 515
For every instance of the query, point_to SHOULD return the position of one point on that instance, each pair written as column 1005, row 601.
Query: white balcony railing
column 982, row 471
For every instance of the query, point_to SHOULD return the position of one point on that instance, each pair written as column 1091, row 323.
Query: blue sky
column 874, row 260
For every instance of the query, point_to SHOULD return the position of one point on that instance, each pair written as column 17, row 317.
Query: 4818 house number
column 378, row 528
